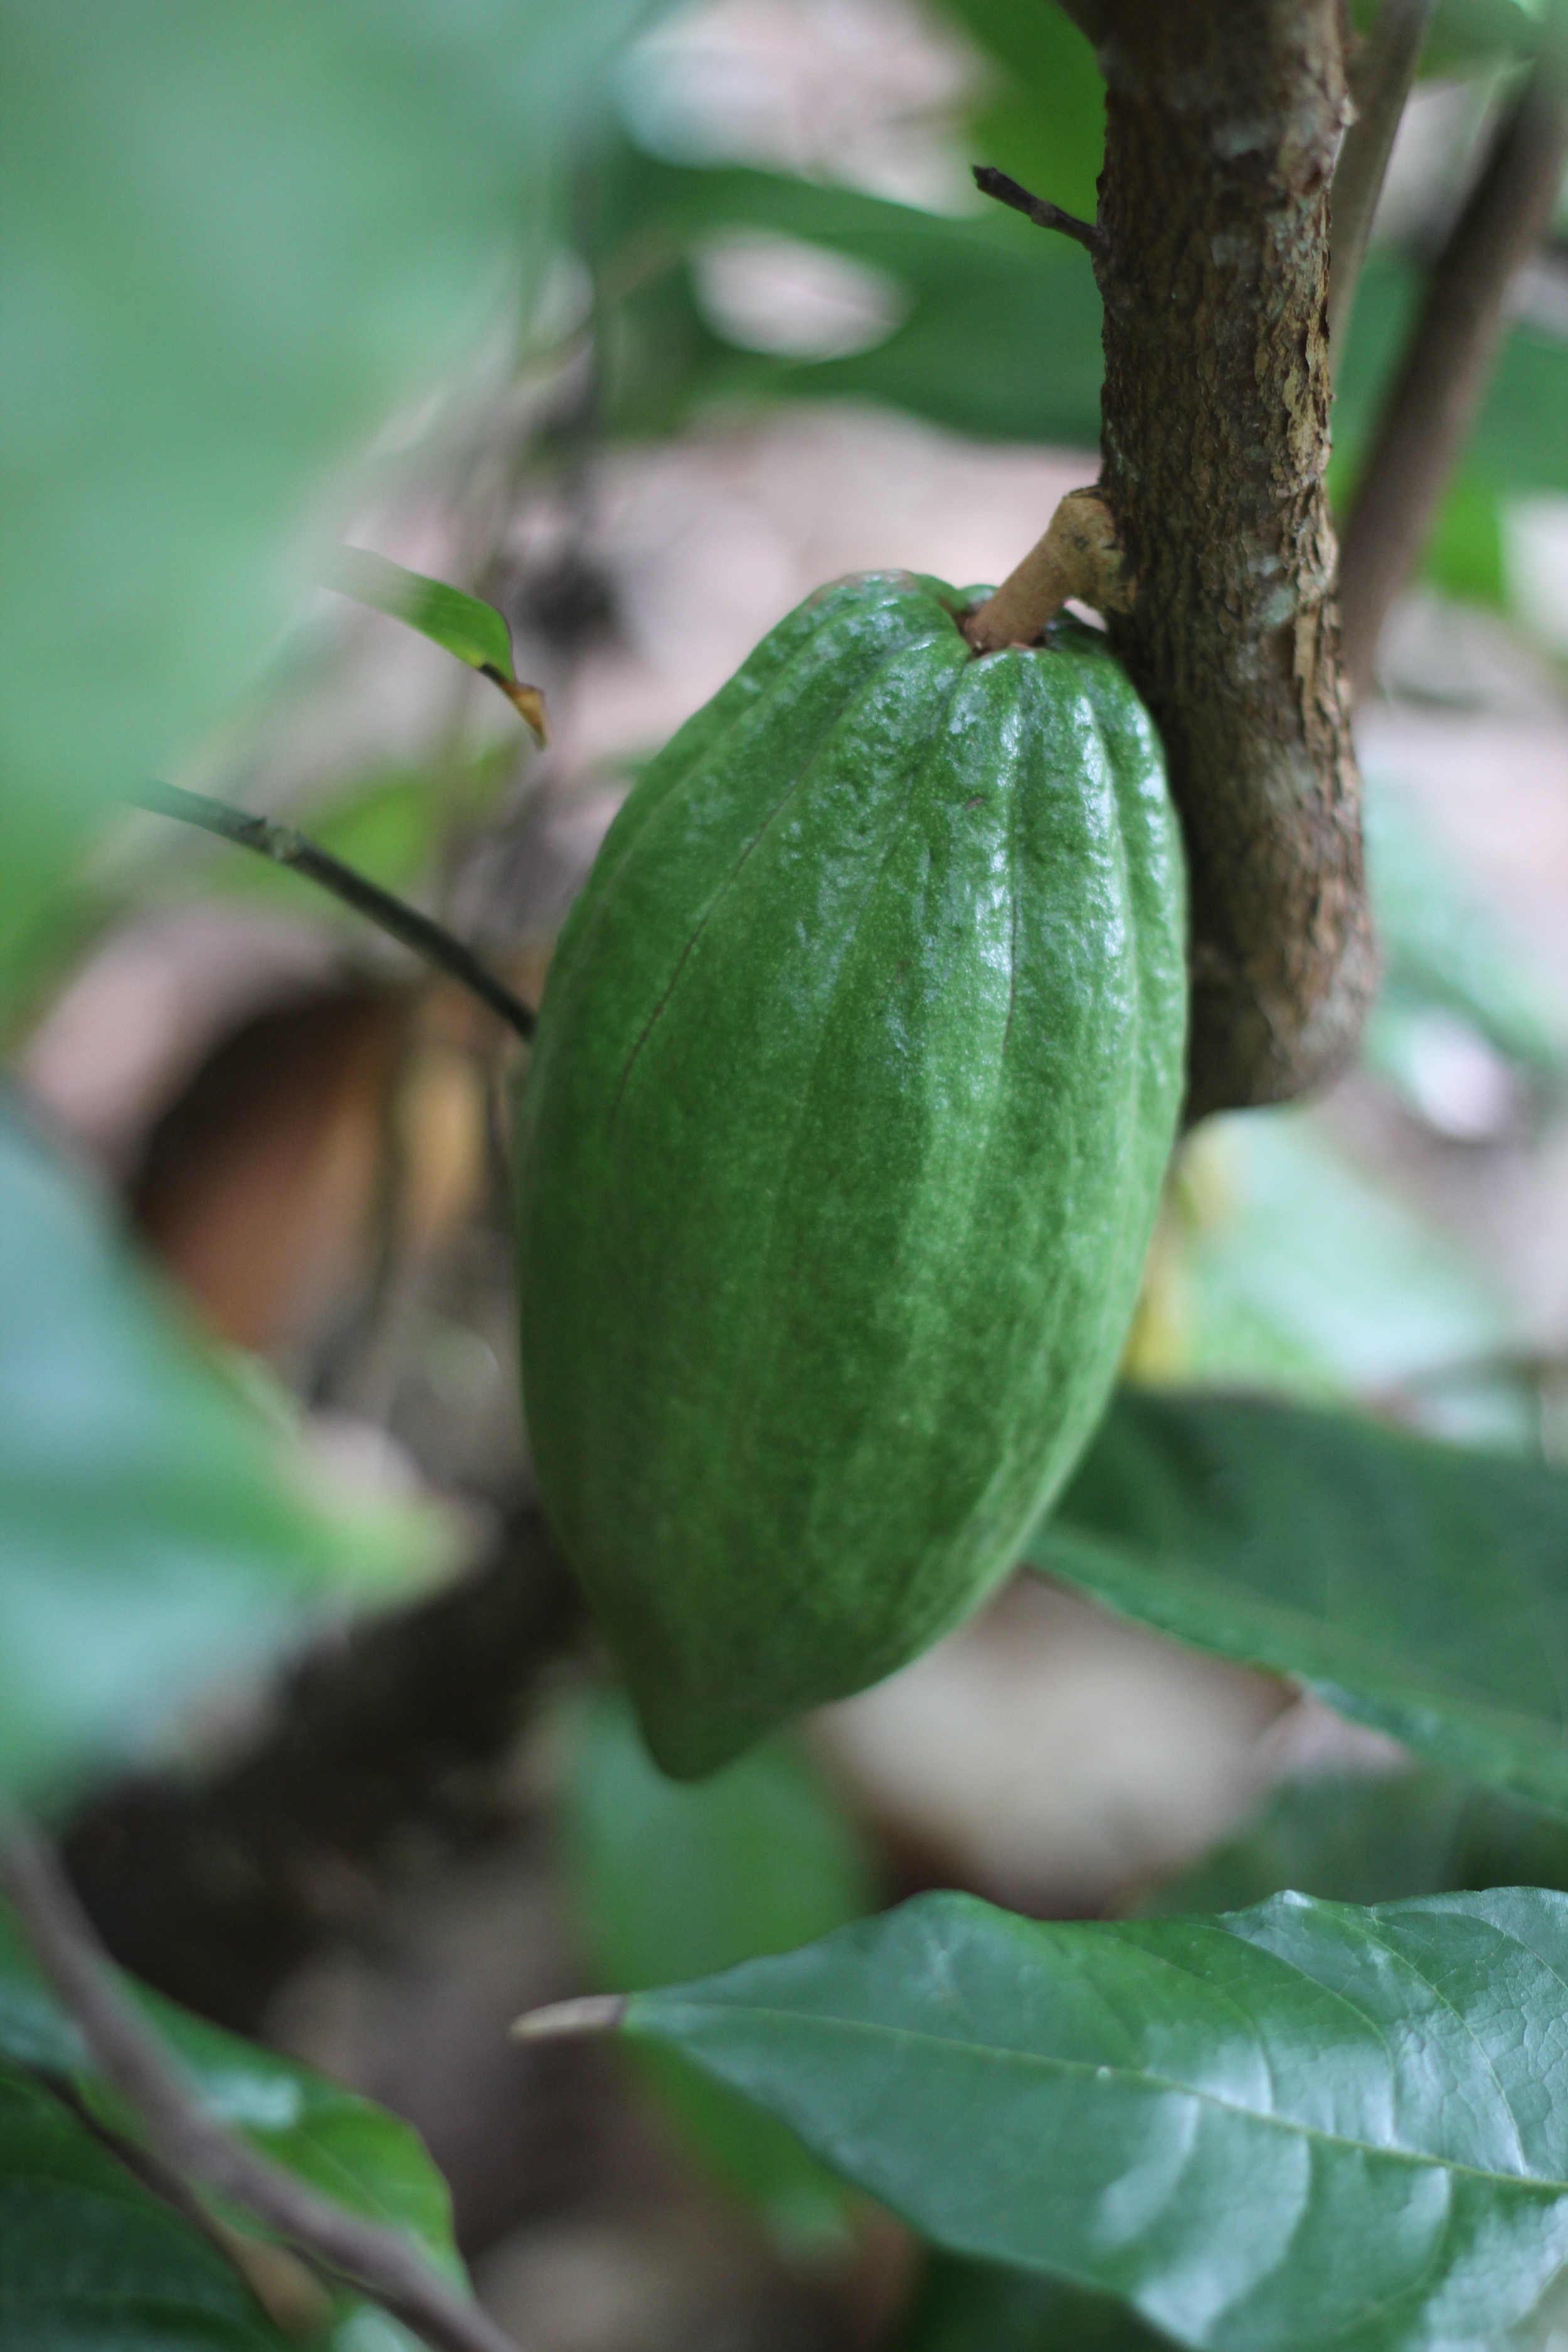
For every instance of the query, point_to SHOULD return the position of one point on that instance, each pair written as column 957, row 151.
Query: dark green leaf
column 980, row 2307
column 91, row 2262
column 1375, row 1838
column 154, row 1531
column 460, row 624
column 1301, row 2125
column 1417, row 1586
column 346, row 2146
column 676, row 1881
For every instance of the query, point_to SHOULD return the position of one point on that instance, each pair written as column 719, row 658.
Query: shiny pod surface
column 856, row 1075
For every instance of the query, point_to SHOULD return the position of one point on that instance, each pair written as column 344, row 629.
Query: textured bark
column 1222, row 127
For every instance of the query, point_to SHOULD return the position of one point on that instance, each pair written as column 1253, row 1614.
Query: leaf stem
column 1449, row 358
column 402, row 922
column 192, row 2141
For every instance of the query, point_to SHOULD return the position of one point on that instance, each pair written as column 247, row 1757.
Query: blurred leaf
column 1468, row 36
column 154, row 1532
column 674, row 1880
column 1463, row 553
column 1360, row 1837
column 347, row 2147
column 967, row 2306
column 1518, row 443
column 1419, row 1588
column 1301, row 2125
column 1047, row 124
column 1444, row 946
column 989, row 284
column 234, row 241
column 460, row 624
column 1294, row 1271
column 95, row 2262
column 388, row 827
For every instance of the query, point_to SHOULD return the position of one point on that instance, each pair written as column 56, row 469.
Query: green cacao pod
column 857, row 1074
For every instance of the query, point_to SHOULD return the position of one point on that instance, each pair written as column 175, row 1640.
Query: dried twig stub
column 1079, row 556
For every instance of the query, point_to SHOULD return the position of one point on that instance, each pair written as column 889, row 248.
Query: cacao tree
column 836, row 1145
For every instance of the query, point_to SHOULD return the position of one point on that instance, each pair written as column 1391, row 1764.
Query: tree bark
column 1222, row 127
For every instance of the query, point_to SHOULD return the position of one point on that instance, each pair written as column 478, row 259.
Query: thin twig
column 1380, row 79
column 402, row 922
column 1445, row 370
column 197, row 2147
column 993, row 183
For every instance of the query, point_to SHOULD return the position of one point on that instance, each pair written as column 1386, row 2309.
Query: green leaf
column 154, row 1531
column 460, row 624
column 1417, row 1587
column 95, row 2262
column 673, row 1881
column 967, row 2306
column 1301, row 2125
column 349, row 2148
column 232, row 243
column 1375, row 1838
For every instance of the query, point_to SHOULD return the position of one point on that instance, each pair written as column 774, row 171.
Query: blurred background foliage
column 633, row 321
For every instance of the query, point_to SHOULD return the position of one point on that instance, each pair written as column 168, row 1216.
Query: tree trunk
column 1222, row 127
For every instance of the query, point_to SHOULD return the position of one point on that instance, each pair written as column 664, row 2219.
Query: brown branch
column 1044, row 213
column 1222, row 127
column 1443, row 376
column 1380, row 80
column 191, row 2140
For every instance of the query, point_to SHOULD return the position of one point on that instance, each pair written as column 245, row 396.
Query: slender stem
column 402, row 922
column 192, row 2141
column 1380, row 81
column 1444, row 374
column 1044, row 214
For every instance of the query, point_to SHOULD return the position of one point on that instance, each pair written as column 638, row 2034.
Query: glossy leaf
column 674, row 1881
column 1375, row 1838
column 91, row 2262
column 234, row 242
column 344, row 2146
column 154, row 1531
column 1418, row 1587
column 1303, row 2124
column 460, row 624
